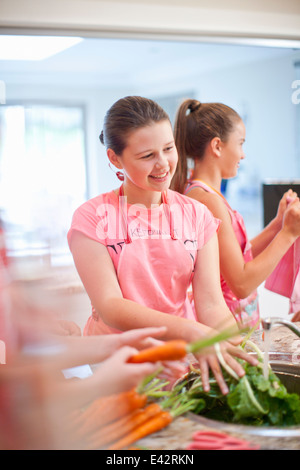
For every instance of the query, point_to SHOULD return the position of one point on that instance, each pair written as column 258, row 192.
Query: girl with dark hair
column 211, row 136
column 139, row 247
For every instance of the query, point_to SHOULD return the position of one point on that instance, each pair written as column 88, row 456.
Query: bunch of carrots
column 118, row 421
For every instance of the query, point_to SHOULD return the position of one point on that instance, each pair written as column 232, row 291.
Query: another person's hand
column 291, row 220
column 288, row 197
column 116, row 375
column 105, row 345
column 171, row 370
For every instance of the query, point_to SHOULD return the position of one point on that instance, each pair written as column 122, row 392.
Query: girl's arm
column 243, row 278
column 211, row 309
column 210, row 306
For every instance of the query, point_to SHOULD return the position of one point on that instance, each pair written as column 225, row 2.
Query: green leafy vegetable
column 252, row 400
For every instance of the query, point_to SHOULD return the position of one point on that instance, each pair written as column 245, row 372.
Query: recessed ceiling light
column 33, row 47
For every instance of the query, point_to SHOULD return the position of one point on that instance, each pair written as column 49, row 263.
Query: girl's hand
column 116, row 375
column 140, row 337
column 291, row 220
column 211, row 361
column 137, row 338
column 288, row 197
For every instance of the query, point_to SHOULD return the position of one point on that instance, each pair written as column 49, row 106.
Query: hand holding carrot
column 119, row 374
column 140, row 337
column 172, row 370
column 202, row 350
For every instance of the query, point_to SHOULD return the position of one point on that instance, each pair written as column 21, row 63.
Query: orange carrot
column 108, row 409
column 156, row 423
column 106, row 403
column 122, row 426
column 170, row 350
column 178, row 349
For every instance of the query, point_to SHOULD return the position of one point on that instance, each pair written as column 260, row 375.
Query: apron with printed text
column 152, row 271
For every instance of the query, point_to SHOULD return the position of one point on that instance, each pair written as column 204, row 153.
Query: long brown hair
column 196, row 124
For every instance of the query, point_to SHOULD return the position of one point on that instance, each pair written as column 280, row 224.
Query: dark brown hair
column 196, row 124
column 126, row 115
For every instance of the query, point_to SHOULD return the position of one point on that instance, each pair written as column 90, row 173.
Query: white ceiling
column 127, row 62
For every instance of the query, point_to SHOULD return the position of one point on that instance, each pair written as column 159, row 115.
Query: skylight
column 29, row 48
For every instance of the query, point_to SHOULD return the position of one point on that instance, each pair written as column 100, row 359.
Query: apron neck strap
column 167, row 210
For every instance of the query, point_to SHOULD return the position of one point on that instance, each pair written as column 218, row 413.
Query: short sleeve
column 91, row 220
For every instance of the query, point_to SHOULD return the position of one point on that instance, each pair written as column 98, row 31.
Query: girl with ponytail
column 209, row 138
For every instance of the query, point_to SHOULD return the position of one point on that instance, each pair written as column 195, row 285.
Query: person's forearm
column 264, row 238
column 87, row 349
column 218, row 317
column 255, row 272
column 125, row 315
column 214, row 312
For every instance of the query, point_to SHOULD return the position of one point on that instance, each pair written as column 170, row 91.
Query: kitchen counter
column 179, row 433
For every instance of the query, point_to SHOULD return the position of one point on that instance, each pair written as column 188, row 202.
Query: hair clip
column 194, row 107
column 101, row 137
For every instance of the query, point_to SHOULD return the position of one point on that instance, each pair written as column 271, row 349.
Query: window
column 42, row 176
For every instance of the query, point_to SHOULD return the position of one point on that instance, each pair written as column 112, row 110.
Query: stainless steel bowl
column 289, row 374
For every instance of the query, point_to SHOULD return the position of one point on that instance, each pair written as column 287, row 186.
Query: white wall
column 262, row 93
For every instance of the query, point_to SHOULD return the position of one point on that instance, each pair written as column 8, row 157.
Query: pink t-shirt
column 285, row 279
column 159, row 269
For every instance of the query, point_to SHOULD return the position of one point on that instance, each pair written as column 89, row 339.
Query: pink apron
column 170, row 272
column 246, row 311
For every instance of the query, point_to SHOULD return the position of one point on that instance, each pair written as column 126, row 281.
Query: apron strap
column 166, row 207
column 123, row 211
column 169, row 214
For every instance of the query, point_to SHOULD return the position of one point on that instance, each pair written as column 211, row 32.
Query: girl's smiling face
column 149, row 159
